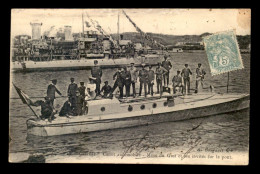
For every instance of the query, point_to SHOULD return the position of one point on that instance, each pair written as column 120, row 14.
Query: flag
column 87, row 24
column 24, row 97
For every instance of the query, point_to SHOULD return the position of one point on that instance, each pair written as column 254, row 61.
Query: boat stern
column 33, row 128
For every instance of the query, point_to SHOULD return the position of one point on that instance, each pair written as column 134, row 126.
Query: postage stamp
column 223, row 52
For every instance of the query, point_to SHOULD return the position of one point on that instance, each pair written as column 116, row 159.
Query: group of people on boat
column 124, row 78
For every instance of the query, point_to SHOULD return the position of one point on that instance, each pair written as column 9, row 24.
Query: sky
column 163, row 21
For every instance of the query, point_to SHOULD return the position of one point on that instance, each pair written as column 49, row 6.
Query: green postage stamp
column 223, row 52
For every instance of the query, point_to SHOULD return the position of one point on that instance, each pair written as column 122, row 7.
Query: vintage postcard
column 133, row 86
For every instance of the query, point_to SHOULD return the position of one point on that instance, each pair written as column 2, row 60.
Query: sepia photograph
column 130, row 86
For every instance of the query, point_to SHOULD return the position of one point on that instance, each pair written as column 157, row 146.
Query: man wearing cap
column 160, row 71
column 143, row 78
column 126, row 78
column 47, row 109
column 78, row 110
column 167, row 65
column 186, row 77
column 200, row 73
column 134, row 75
column 51, row 91
column 177, row 81
column 118, row 83
column 82, row 89
column 106, row 89
column 150, row 80
column 73, row 87
column 96, row 72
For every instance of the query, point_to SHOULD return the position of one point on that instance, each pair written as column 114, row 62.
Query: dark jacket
column 150, row 75
column 66, row 109
column 167, row 65
column 51, row 91
column 119, row 79
column 126, row 77
column 82, row 91
column 96, row 72
column 106, row 89
column 143, row 75
column 72, row 89
column 46, row 107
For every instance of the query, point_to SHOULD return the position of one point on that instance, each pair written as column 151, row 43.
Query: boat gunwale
column 124, row 118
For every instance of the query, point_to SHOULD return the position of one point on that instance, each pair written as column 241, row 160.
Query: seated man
column 47, row 110
column 177, row 82
column 66, row 109
column 90, row 89
column 106, row 89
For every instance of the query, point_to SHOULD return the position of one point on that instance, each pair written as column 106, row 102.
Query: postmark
column 223, row 52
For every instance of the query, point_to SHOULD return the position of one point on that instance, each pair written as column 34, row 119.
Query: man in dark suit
column 150, row 80
column 167, row 65
column 143, row 76
column 51, row 91
column 126, row 75
column 73, row 87
column 118, row 83
column 82, row 89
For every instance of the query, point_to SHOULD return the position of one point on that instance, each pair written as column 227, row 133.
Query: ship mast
column 118, row 29
column 82, row 25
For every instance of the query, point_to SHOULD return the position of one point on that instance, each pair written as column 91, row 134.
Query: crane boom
column 143, row 34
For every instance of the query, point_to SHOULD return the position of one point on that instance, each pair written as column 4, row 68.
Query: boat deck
column 187, row 102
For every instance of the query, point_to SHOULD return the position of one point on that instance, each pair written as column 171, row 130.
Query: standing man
column 82, row 92
column 82, row 89
column 167, row 65
column 73, row 87
column 177, row 81
column 118, row 83
column 150, row 80
column 78, row 110
column 96, row 72
column 143, row 77
column 186, row 77
column 126, row 75
column 160, row 71
column 134, row 74
column 200, row 73
column 51, row 91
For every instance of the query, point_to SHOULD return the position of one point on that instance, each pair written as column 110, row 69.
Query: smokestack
column 67, row 31
column 36, row 30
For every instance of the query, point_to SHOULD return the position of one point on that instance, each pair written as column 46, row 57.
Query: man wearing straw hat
column 200, row 73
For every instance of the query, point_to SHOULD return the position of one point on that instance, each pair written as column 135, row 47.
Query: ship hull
column 178, row 112
column 63, row 65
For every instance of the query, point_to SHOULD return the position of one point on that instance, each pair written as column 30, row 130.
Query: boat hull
column 103, row 123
